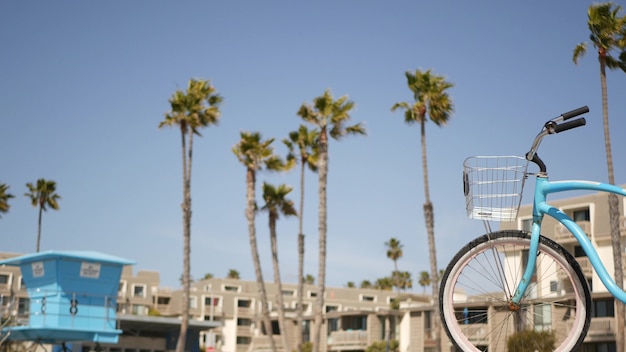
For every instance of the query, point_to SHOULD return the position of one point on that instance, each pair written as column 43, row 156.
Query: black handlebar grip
column 581, row 110
column 569, row 125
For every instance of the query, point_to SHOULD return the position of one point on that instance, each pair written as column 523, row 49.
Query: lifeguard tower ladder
column 73, row 297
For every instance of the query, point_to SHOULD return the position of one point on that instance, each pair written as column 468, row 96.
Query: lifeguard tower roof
column 73, row 296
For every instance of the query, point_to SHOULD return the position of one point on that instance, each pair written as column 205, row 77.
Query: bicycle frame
column 543, row 187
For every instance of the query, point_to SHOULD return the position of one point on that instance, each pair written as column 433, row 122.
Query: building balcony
column 562, row 234
column 585, row 266
column 262, row 344
column 245, row 311
column 347, row 340
column 607, row 236
column 602, row 327
column 478, row 334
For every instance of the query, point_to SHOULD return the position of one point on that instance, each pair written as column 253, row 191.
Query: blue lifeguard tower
column 73, row 297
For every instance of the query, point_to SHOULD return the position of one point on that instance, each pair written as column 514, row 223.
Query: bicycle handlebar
column 552, row 127
column 581, row 110
column 569, row 125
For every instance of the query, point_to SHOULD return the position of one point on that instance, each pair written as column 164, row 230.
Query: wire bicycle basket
column 493, row 186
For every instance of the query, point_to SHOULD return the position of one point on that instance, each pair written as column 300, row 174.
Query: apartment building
column 591, row 213
column 14, row 302
column 354, row 318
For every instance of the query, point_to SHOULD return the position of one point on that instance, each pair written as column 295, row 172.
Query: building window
column 543, row 317
column 23, row 306
column 161, row 300
column 244, row 303
column 243, row 340
column 22, row 284
column 330, row 308
column 138, row 309
column 312, row 294
column 333, row 325
column 368, row 298
column 244, row 322
column 603, row 308
column 474, row 315
column 207, row 288
column 288, row 292
column 211, row 301
column 231, row 288
column 527, row 225
column 305, row 306
column 553, row 286
column 525, row 254
column 5, row 279
column 139, row 290
column 581, row 215
column 193, row 302
column 122, row 288
column 599, row 347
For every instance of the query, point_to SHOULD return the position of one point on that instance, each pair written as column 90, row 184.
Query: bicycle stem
column 551, row 127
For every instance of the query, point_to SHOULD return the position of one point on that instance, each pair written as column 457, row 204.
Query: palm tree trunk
column 430, row 230
column 250, row 208
column 186, row 207
column 299, row 311
column 613, row 212
column 39, row 227
column 279, row 296
column 321, row 279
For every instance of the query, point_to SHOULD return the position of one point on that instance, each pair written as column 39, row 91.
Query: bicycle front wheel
column 477, row 287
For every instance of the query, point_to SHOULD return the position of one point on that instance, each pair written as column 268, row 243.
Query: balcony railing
column 585, row 266
column 562, row 234
column 262, row 344
column 477, row 333
column 602, row 326
column 347, row 340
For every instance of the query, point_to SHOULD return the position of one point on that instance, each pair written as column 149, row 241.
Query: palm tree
column 307, row 142
column 402, row 280
column 350, row 284
column 42, row 195
column 384, row 283
column 276, row 203
column 256, row 154
column 608, row 34
column 330, row 116
column 191, row 110
column 394, row 252
column 233, row 274
column 207, row 276
column 365, row 284
column 424, row 280
column 309, row 279
column 4, row 198
column 431, row 98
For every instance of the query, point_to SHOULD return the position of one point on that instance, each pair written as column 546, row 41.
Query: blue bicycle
column 513, row 287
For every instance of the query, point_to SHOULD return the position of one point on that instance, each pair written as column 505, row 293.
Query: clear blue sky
column 84, row 85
